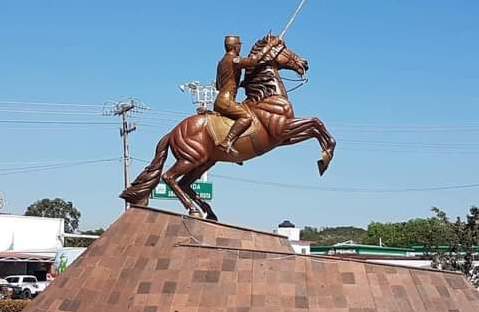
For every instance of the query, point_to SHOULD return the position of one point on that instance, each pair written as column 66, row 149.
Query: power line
column 339, row 189
column 48, row 104
column 55, row 166
column 33, row 112
column 59, row 122
column 56, row 163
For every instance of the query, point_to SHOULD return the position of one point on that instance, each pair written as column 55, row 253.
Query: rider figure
column 227, row 82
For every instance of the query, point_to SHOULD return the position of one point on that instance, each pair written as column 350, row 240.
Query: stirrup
column 228, row 148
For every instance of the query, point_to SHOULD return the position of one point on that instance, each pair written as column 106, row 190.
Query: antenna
column 203, row 96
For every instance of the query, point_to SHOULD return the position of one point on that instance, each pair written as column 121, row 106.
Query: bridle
column 292, row 61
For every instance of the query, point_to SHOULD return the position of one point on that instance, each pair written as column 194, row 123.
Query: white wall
column 291, row 233
column 300, row 248
column 22, row 233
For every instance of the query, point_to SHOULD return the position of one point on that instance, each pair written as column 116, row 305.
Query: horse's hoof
column 195, row 213
column 211, row 216
column 322, row 166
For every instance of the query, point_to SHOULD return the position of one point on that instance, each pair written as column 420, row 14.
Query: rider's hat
column 232, row 39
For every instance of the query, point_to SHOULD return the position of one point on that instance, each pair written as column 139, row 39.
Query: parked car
column 10, row 292
column 28, row 284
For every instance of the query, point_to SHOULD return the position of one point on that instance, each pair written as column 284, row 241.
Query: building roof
column 150, row 260
column 286, row 224
column 25, row 257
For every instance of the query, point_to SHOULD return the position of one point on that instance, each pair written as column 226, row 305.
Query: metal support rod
column 291, row 20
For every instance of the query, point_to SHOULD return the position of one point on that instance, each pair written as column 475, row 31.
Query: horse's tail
column 141, row 188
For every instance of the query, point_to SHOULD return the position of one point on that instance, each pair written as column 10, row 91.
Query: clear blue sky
column 395, row 81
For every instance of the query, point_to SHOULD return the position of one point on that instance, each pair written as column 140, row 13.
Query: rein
column 302, row 82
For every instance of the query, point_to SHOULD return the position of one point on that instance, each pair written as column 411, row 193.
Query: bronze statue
column 195, row 142
column 227, row 82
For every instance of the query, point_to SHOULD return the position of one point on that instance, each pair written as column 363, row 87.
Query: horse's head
column 281, row 57
column 263, row 80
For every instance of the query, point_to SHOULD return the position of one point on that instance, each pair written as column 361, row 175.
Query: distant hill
column 333, row 235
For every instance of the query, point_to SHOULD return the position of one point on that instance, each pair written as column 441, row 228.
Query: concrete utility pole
column 124, row 109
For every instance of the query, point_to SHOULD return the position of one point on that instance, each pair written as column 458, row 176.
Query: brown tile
column 144, row 288
column 162, row 264
column 348, row 278
column 228, row 265
column 169, row 288
column 257, row 300
column 456, row 282
column 152, row 240
column 206, row 276
column 114, row 297
column 301, row 302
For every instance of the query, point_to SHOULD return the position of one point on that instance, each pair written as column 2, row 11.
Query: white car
column 29, row 284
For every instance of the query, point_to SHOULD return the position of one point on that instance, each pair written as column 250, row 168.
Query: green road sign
column 204, row 189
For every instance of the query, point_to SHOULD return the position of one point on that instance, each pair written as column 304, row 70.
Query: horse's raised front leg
column 298, row 130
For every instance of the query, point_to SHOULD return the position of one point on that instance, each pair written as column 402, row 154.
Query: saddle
column 218, row 126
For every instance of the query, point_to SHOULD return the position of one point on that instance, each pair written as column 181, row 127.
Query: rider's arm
column 248, row 62
column 251, row 61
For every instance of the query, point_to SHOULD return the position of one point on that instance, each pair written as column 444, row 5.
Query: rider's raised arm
column 251, row 61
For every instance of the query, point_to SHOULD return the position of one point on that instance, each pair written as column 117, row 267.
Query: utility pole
column 124, row 109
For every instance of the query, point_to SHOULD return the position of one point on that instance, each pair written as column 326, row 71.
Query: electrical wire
column 30, row 169
column 338, row 189
column 34, row 112
column 49, row 104
column 59, row 122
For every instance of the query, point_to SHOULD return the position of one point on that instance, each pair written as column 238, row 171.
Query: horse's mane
column 260, row 82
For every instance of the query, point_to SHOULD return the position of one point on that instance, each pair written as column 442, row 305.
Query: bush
column 13, row 305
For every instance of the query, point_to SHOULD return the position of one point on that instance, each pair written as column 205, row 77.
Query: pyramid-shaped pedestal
column 151, row 260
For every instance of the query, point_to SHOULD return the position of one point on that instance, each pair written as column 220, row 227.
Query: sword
column 295, row 14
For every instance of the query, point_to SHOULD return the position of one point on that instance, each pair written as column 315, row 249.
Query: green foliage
column 461, row 253
column 333, row 235
column 56, row 208
column 83, row 242
column 430, row 232
column 460, row 237
column 13, row 305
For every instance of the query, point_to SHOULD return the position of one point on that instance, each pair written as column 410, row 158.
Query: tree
column 83, row 242
column 452, row 245
column 56, row 208
column 430, row 233
column 333, row 235
column 463, row 242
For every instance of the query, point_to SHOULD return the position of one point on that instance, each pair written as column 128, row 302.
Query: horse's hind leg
column 180, row 168
column 185, row 183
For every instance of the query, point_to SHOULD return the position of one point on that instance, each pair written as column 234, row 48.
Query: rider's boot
column 240, row 126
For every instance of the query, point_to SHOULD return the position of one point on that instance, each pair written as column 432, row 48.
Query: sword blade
column 291, row 20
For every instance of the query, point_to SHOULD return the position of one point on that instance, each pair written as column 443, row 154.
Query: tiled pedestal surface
column 153, row 260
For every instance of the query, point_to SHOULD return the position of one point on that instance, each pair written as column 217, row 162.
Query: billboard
column 25, row 233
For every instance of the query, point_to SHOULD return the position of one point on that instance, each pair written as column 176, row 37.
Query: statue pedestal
column 151, row 260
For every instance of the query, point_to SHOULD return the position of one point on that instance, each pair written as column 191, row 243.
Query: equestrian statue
column 235, row 132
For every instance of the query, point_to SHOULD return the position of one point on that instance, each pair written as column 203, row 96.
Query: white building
column 286, row 228
column 31, row 245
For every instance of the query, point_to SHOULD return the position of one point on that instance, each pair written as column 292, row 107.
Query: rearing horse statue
column 194, row 140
